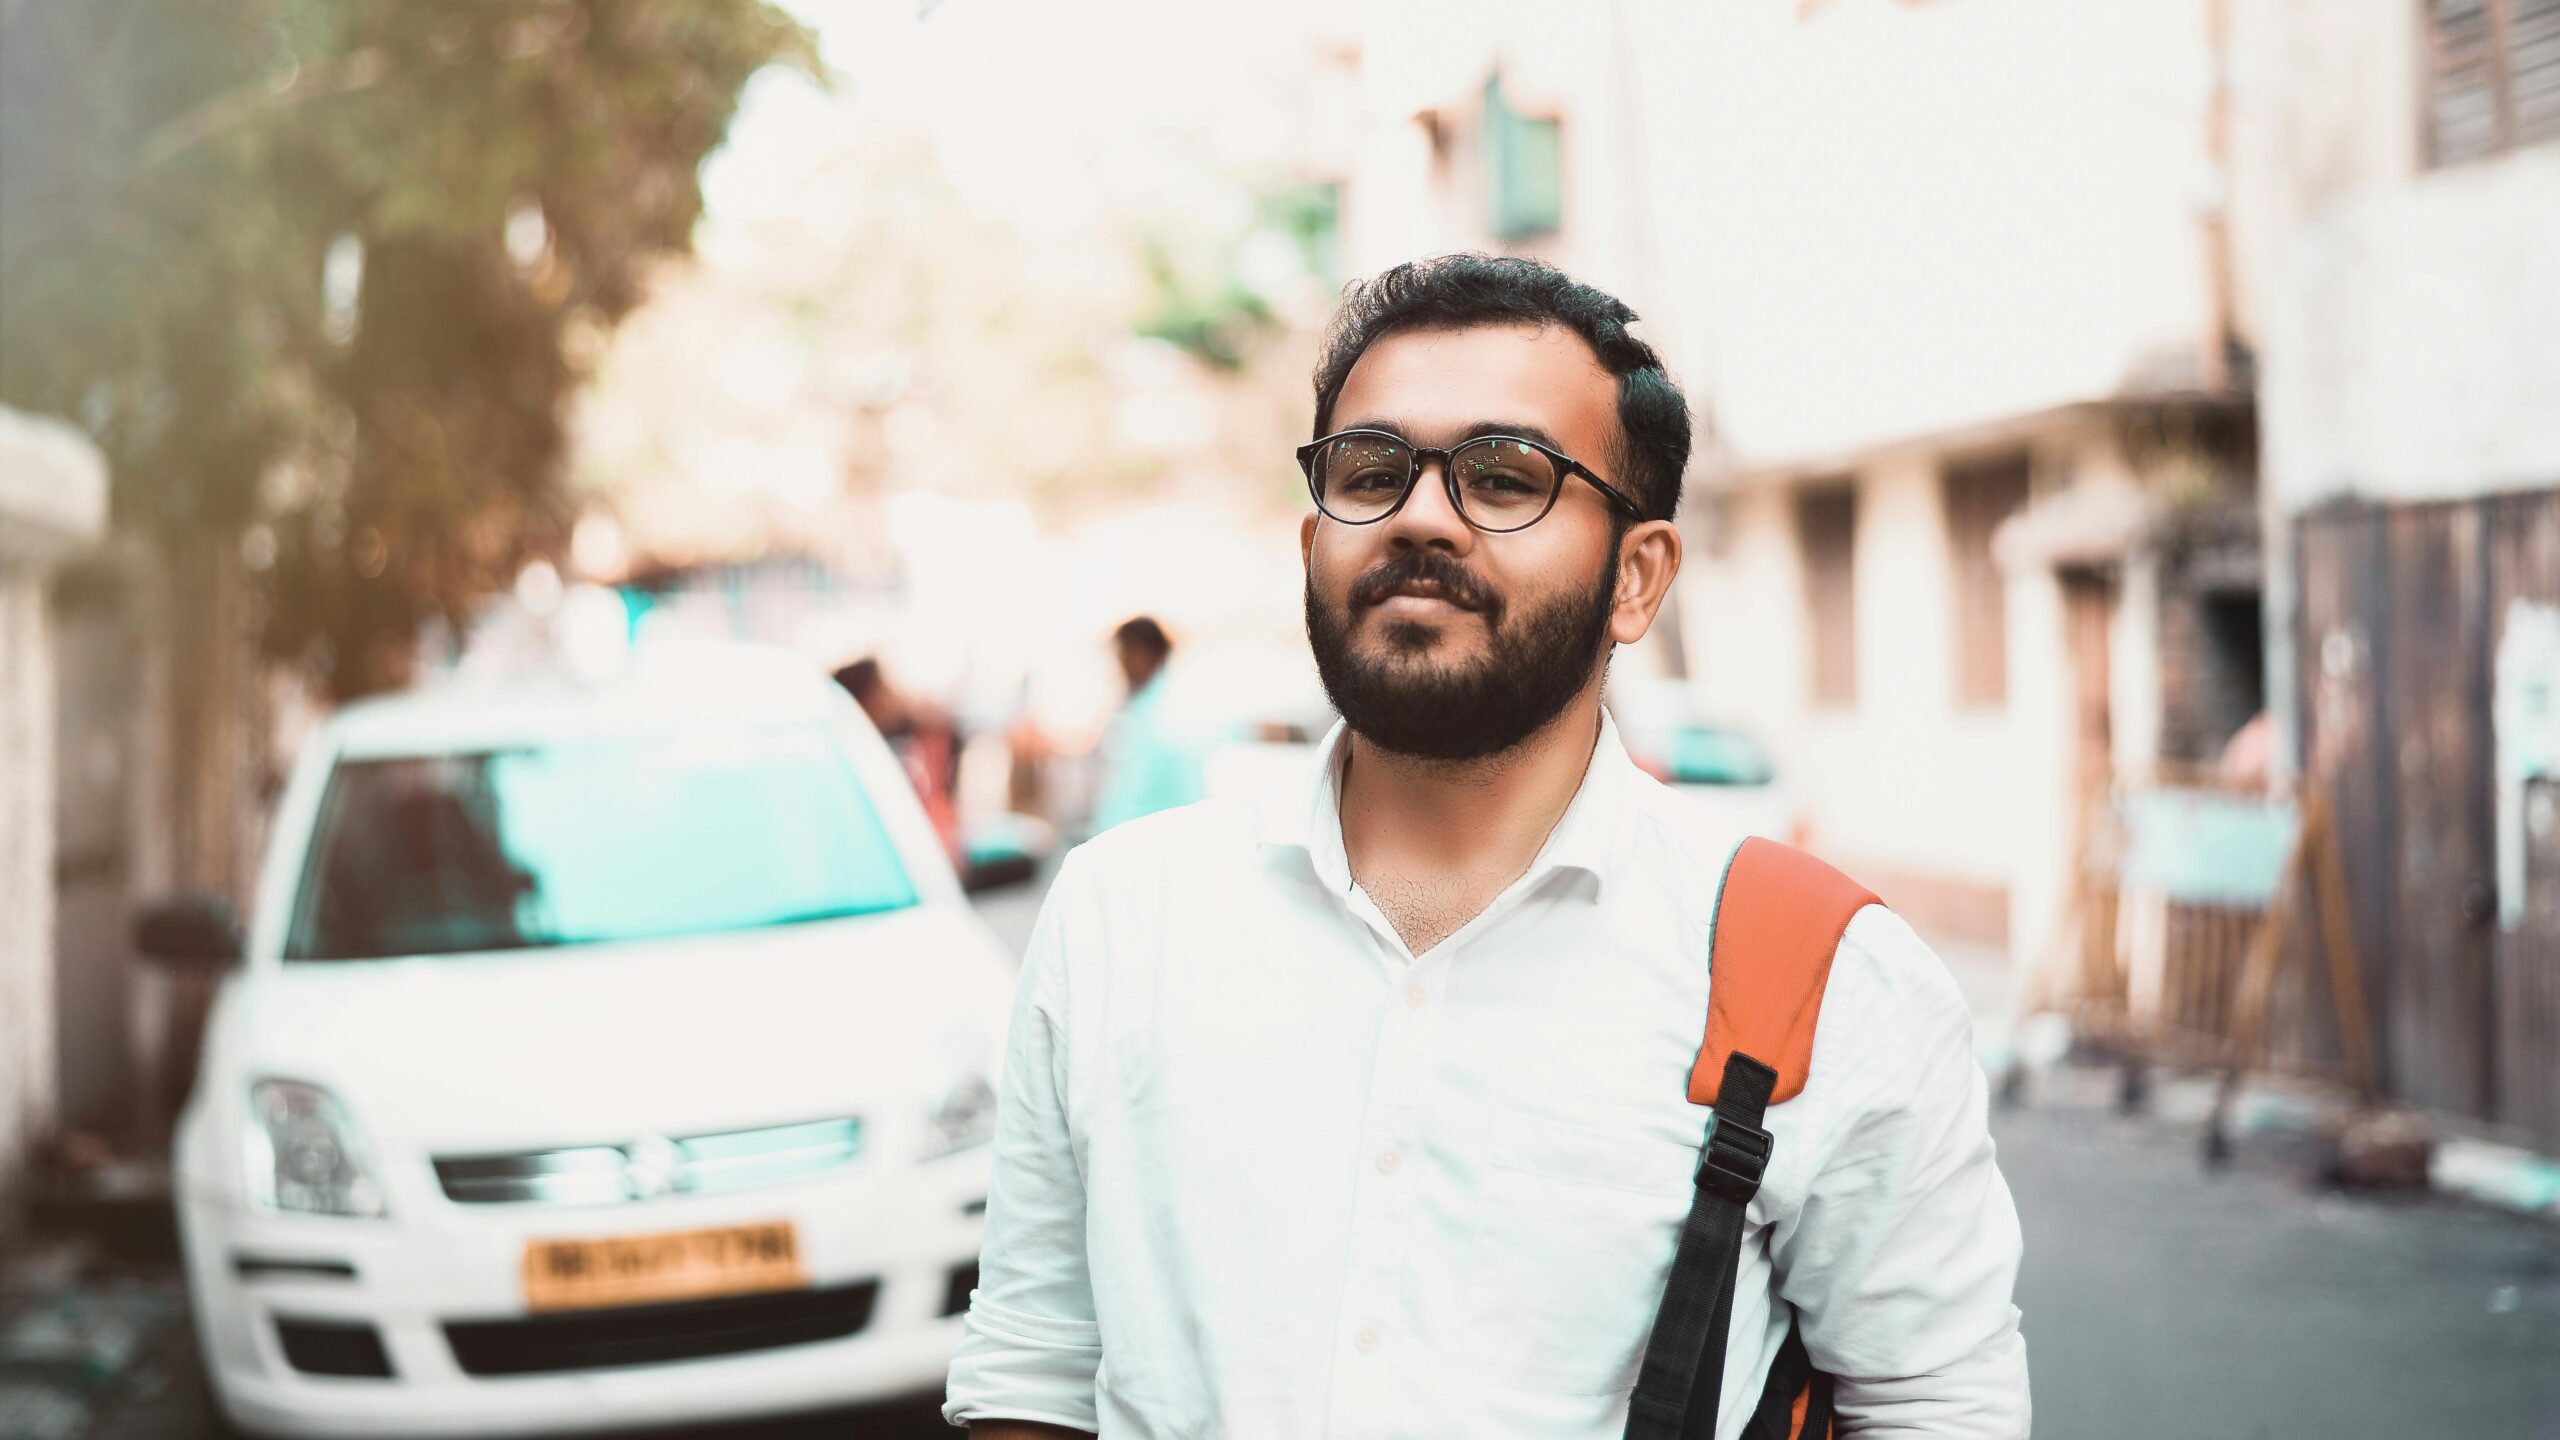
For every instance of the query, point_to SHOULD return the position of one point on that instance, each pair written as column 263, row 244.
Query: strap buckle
column 1733, row 1158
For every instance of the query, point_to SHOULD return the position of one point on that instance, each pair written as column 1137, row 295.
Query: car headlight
column 963, row 1117
column 305, row 1154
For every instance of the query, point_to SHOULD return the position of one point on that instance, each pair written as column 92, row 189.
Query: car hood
column 596, row 1043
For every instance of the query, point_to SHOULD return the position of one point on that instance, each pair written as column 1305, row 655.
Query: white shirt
column 1261, row 1171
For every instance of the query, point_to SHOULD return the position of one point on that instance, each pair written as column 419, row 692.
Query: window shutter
column 2493, row 77
column 2533, row 69
column 1826, row 535
column 1979, row 497
column 2463, row 75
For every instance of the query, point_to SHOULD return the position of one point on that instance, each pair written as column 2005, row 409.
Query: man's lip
column 1415, row 603
column 1421, row 592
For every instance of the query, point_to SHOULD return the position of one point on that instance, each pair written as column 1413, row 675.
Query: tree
column 483, row 184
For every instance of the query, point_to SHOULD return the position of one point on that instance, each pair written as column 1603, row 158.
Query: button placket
column 1383, row 1212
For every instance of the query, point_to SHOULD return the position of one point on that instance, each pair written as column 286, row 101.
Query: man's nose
column 1427, row 517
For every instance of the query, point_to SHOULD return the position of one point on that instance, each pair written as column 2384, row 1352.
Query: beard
column 1395, row 696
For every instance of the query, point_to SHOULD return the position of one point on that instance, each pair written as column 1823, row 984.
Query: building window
column 1827, row 533
column 1979, row 497
column 2493, row 77
column 1523, row 170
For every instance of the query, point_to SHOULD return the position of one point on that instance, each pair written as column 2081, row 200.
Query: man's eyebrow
column 1389, row 426
column 1520, row 429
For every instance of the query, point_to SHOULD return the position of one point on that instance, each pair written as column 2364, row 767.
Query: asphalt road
column 2161, row 1303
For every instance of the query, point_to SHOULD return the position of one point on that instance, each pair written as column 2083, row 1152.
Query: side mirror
column 195, row 932
column 995, row 872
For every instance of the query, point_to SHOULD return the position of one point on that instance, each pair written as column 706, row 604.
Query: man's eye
column 1502, row 483
column 1372, row 482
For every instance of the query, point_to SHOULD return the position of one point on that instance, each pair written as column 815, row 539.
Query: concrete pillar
column 53, row 501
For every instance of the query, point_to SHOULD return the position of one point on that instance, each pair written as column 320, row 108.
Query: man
column 1362, row 1112
column 1149, row 761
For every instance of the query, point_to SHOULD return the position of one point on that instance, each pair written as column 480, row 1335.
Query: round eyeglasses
column 1497, row 483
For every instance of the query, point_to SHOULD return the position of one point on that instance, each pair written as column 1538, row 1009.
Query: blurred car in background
column 1720, row 768
column 595, row 1056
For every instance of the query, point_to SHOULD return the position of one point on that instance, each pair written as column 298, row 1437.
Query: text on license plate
column 651, row 1269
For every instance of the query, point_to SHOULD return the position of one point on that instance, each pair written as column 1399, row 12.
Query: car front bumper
column 898, row 1249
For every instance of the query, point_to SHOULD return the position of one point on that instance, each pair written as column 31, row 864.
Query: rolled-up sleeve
column 1903, row 1260
column 1030, row 1346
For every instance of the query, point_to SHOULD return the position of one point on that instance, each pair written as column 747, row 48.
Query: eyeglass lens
column 1502, row 484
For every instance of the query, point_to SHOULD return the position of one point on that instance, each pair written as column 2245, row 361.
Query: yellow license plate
column 653, row 1269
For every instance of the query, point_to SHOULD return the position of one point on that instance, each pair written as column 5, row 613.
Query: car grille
column 655, row 1334
column 651, row 1167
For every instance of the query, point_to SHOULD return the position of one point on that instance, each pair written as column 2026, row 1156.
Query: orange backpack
column 1779, row 917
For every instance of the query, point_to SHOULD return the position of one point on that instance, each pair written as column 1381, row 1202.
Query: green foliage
column 173, row 176
column 1201, row 300
column 1216, row 319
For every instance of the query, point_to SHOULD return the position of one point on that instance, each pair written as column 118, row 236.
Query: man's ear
column 1648, row 561
column 1307, row 542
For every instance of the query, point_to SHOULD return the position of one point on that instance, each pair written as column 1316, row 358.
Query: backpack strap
column 1779, row 917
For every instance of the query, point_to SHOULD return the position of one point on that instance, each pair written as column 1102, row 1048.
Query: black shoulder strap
column 1683, row 1374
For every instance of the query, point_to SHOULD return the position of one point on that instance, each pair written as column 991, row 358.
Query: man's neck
column 1452, row 821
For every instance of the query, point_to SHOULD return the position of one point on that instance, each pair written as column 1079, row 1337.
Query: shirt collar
column 1590, row 838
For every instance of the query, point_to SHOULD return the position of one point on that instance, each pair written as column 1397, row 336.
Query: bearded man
column 1358, row 1110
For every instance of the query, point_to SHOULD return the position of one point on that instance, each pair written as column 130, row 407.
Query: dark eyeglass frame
column 1419, row 455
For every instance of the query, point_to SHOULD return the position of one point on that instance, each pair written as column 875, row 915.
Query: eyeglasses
column 1498, row 483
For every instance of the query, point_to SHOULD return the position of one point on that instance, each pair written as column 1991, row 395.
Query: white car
column 595, row 1057
column 1718, row 769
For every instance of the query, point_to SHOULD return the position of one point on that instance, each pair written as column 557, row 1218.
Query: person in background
column 1149, row 761
column 924, row 738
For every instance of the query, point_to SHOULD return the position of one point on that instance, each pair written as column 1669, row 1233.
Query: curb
column 2507, row 1176
column 2482, row 1172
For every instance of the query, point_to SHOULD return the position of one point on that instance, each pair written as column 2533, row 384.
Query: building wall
column 1905, row 786
column 2413, row 339
column 26, row 871
column 1864, row 235
column 53, row 501
column 1834, row 219
column 1889, row 220
column 2407, row 319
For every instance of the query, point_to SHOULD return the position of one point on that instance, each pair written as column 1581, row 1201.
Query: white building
column 1932, row 274
column 2399, row 229
column 53, row 501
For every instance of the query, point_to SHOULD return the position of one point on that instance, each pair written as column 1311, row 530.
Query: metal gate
column 2403, row 608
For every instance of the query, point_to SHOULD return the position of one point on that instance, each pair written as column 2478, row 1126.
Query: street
column 2160, row 1303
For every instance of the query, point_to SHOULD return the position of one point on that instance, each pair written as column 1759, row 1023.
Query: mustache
column 1425, row 567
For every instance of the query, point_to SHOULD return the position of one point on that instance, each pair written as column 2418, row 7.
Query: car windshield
column 618, row 838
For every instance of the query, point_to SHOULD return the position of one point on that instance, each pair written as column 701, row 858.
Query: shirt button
column 1366, row 1340
column 1415, row 996
column 1388, row 1160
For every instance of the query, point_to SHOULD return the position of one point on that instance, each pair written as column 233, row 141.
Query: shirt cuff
column 1013, row 1365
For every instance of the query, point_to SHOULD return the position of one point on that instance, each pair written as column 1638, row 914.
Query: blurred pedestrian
column 1365, row 1108
column 1152, row 759
column 924, row 738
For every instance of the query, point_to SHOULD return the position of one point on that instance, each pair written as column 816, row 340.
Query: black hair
column 1461, row 292
column 1146, row 634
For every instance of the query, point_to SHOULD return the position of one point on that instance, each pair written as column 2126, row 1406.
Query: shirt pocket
column 1573, row 1239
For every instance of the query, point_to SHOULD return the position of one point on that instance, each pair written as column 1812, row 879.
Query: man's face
column 1432, row 638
